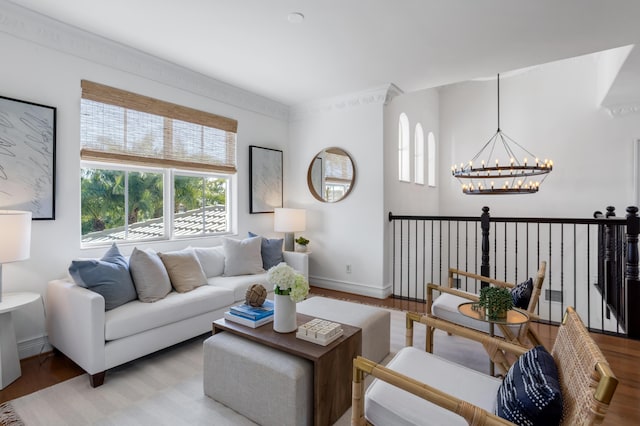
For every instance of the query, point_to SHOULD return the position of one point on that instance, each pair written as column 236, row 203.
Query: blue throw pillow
column 521, row 294
column 271, row 250
column 530, row 393
column 108, row 276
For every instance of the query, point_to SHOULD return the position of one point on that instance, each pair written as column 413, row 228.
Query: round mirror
column 331, row 175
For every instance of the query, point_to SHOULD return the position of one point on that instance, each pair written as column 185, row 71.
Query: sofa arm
column 298, row 261
column 75, row 324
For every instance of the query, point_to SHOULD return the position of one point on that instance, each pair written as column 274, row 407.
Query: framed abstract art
column 27, row 157
column 265, row 179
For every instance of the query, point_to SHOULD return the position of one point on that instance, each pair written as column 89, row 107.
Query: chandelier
column 515, row 170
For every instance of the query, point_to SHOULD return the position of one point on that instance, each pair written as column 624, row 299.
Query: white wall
column 351, row 231
column 51, row 76
column 553, row 110
column 408, row 198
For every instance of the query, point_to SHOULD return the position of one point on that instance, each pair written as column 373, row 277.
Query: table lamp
column 289, row 221
column 15, row 238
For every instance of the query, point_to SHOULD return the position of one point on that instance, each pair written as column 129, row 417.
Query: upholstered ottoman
column 374, row 322
column 263, row 384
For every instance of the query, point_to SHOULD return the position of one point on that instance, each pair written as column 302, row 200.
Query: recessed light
column 295, row 17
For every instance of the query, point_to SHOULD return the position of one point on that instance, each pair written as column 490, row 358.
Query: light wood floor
column 623, row 355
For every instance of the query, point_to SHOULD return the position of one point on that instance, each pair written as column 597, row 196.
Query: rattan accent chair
column 586, row 381
column 442, row 312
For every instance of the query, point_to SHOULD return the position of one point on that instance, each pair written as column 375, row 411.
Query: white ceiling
column 345, row 46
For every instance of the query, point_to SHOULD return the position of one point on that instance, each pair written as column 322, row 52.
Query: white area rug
column 166, row 388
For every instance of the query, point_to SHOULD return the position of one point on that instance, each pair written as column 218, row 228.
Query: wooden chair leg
column 429, row 339
column 357, row 398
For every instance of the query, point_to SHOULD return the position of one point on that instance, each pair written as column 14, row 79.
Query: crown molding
column 622, row 110
column 44, row 31
column 377, row 95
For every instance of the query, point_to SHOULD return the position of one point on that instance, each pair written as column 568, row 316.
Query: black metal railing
column 590, row 263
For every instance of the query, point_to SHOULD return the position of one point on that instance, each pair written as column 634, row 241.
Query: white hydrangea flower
column 286, row 281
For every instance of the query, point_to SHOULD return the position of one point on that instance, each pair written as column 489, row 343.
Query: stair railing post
column 631, row 274
column 485, row 267
column 610, row 284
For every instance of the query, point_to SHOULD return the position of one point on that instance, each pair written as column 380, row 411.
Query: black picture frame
column 27, row 157
column 265, row 179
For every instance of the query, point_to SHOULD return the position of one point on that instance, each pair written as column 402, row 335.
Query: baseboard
column 33, row 347
column 350, row 287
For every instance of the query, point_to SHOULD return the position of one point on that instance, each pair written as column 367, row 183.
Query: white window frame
column 418, row 155
column 168, row 195
column 404, row 149
column 431, row 159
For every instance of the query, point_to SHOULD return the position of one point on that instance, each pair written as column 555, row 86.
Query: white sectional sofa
column 97, row 340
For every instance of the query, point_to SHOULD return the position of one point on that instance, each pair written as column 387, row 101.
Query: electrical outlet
column 348, row 269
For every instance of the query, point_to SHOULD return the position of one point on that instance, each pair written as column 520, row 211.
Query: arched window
column 431, row 155
column 404, row 171
column 419, row 155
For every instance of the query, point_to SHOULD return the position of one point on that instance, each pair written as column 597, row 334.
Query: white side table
column 9, row 361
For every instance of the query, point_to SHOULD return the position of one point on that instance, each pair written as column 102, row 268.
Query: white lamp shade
column 15, row 235
column 290, row 220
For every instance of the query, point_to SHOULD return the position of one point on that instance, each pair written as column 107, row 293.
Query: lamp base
column 0, row 282
column 288, row 241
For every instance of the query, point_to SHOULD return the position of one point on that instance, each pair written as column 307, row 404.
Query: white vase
column 300, row 248
column 284, row 314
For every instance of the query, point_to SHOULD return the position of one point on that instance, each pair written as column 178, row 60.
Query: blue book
column 253, row 312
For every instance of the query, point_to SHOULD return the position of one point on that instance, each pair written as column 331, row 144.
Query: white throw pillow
column 242, row 257
column 149, row 275
column 211, row 259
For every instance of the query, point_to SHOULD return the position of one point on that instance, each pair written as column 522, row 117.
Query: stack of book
column 251, row 316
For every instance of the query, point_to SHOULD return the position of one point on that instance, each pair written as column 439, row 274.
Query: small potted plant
column 301, row 244
column 496, row 301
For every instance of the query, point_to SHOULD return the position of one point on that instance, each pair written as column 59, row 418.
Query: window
column 152, row 170
column 404, row 171
column 431, row 154
column 338, row 175
column 419, row 155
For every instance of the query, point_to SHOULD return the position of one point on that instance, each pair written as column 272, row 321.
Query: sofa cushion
column 521, row 294
column 211, row 259
column 136, row 317
column 388, row 405
column 271, row 251
column 242, row 257
column 149, row 275
column 108, row 276
column 530, row 393
column 239, row 285
column 184, row 270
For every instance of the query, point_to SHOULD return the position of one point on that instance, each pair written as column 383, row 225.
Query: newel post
column 631, row 274
column 485, row 268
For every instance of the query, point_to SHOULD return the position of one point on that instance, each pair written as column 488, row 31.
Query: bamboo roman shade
column 338, row 168
column 123, row 127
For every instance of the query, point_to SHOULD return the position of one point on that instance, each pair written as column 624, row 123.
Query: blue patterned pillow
column 530, row 393
column 521, row 294
column 271, row 251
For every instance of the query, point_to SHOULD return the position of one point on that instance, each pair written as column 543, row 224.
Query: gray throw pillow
column 184, row 270
column 271, row 251
column 149, row 275
column 242, row 257
column 108, row 276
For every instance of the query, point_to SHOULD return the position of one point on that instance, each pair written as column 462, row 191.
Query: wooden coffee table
column 332, row 364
